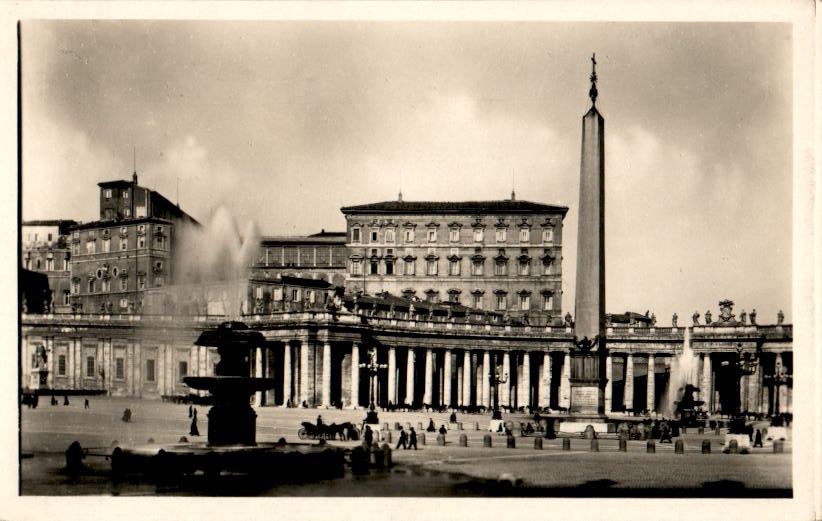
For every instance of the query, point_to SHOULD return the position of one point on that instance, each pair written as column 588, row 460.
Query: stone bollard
column 114, row 443
column 419, row 426
column 706, row 446
column 684, row 430
column 537, row 443
column 421, row 438
column 459, row 426
column 476, row 426
column 359, row 460
column 441, row 440
column 377, row 457
column 386, row 436
column 623, row 444
column 183, row 439
column 150, row 441
column 511, row 442
column 733, row 447
column 396, row 426
column 650, row 447
column 463, row 440
column 486, row 441
column 778, row 446
column 386, row 455
column 716, row 431
column 385, row 426
column 74, row 457
column 566, row 443
column 700, row 430
column 679, row 447
column 594, row 445
column 408, row 426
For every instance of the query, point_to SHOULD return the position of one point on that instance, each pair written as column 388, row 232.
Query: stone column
column 487, row 370
column 477, row 380
column 138, row 370
column 446, row 383
column 524, row 385
column 784, row 398
column 460, row 386
column 287, row 373
column 565, row 384
column 392, row 375
column 629, row 382
column 545, row 381
column 429, row 366
column 258, row 373
column 355, row 375
column 409, row 378
column 651, row 402
column 466, row 378
column 609, row 384
column 303, row 372
column 505, row 389
column 705, row 386
column 327, row 374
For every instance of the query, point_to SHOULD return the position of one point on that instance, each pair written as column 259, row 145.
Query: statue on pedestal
column 674, row 319
column 568, row 321
column 708, row 317
column 696, row 318
column 743, row 317
column 753, row 317
column 780, row 317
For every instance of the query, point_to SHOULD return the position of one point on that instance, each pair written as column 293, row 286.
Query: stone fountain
column 232, row 446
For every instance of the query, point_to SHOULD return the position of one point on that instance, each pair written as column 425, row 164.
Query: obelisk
column 588, row 356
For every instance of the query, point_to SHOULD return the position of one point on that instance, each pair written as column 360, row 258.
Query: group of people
column 407, row 438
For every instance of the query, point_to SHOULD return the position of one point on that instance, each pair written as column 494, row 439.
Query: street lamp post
column 744, row 365
column 497, row 378
column 372, row 368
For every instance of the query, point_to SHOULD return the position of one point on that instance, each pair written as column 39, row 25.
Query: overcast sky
column 283, row 123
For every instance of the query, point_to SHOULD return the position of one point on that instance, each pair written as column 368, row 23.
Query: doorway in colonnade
column 557, row 359
column 534, row 380
column 338, row 353
column 402, row 375
column 618, row 383
column 273, row 368
column 640, row 383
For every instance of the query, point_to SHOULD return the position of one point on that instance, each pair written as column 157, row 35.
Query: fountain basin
column 230, row 385
column 276, row 461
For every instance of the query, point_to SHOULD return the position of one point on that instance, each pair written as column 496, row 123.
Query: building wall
column 390, row 245
column 46, row 250
column 113, row 263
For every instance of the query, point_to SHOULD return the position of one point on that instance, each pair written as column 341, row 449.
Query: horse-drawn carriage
column 343, row 431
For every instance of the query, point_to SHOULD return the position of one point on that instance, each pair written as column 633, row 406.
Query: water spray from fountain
column 683, row 372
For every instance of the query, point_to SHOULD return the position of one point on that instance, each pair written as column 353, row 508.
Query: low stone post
column 377, row 457
column 778, row 446
column 463, row 440
column 594, row 445
column 419, row 426
column 408, row 426
column 733, row 447
column 511, row 442
column 623, row 444
column 700, row 430
column 566, row 443
column 679, row 447
column 421, row 438
column 706, row 446
column 386, row 455
column 359, row 460
column 74, row 458
column 386, row 436
column 486, row 441
column 396, row 426
column 650, row 447
column 476, row 426
column 459, row 426
column 441, row 440
column 385, row 426
column 716, row 431
column 538, row 443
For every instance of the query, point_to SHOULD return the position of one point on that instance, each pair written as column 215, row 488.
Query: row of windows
column 280, row 294
column 432, row 235
column 310, row 256
column 38, row 264
column 408, row 267
column 119, row 368
column 105, row 285
column 105, row 241
column 500, row 300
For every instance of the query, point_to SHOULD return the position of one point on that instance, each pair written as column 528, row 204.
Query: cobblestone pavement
column 432, row 470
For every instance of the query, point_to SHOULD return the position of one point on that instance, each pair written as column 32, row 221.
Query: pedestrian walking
column 758, row 438
column 431, row 426
column 190, row 408
column 403, row 439
column 85, row 404
column 65, row 399
column 368, row 436
column 194, row 431
column 412, row 440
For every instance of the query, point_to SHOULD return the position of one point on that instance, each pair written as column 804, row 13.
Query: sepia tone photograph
column 409, row 257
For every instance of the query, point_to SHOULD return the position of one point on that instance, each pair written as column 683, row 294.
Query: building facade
column 503, row 256
column 46, row 250
column 130, row 250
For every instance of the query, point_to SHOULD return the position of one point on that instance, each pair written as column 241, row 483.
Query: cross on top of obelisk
column 593, row 92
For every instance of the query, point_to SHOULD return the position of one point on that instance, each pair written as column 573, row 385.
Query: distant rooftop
column 455, row 207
